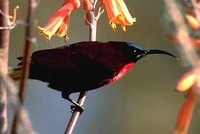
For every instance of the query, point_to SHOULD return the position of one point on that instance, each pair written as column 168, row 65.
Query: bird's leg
column 76, row 106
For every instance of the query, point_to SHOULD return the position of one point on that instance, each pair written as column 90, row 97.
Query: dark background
column 144, row 101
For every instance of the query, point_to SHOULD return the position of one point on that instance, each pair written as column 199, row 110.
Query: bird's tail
column 15, row 73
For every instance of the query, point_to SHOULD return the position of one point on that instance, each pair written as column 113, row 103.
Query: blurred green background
column 144, row 101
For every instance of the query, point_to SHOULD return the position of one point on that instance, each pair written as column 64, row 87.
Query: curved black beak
column 156, row 51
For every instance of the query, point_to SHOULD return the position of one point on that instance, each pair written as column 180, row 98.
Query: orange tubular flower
column 59, row 22
column 185, row 115
column 192, row 21
column 186, row 83
column 87, row 5
column 118, row 13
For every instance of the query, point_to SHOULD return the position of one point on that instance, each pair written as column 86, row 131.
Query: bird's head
column 139, row 52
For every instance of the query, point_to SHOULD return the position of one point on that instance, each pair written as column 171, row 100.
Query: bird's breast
column 122, row 72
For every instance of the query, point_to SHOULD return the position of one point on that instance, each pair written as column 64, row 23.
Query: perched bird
column 86, row 66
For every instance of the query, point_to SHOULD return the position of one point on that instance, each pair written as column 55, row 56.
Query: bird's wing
column 82, row 56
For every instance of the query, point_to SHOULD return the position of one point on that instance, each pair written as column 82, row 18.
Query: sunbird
column 85, row 66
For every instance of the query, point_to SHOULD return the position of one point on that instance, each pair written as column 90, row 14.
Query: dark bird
column 86, row 66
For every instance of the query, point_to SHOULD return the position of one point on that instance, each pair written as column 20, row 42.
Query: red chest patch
column 122, row 72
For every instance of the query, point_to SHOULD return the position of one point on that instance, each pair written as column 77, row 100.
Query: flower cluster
column 194, row 24
column 189, row 83
column 118, row 13
column 58, row 24
column 192, row 18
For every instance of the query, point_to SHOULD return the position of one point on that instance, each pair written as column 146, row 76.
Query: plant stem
column 26, row 59
column 91, row 20
column 4, row 47
column 74, row 118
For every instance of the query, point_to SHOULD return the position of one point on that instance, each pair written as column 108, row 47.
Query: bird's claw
column 75, row 108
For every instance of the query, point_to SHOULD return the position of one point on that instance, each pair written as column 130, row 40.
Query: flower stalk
column 91, row 21
column 189, row 83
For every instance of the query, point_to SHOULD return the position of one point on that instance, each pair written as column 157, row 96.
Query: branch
column 26, row 60
column 75, row 114
column 4, row 46
column 25, row 123
column 13, row 20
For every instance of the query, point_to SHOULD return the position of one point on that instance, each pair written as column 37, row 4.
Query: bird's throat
column 122, row 72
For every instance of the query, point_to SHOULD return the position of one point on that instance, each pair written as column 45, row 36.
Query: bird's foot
column 78, row 108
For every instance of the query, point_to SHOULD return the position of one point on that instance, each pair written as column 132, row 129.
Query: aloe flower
column 87, row 5
column 186, row 84
column 58, row 24
column 193, row 22
column 118, row 13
